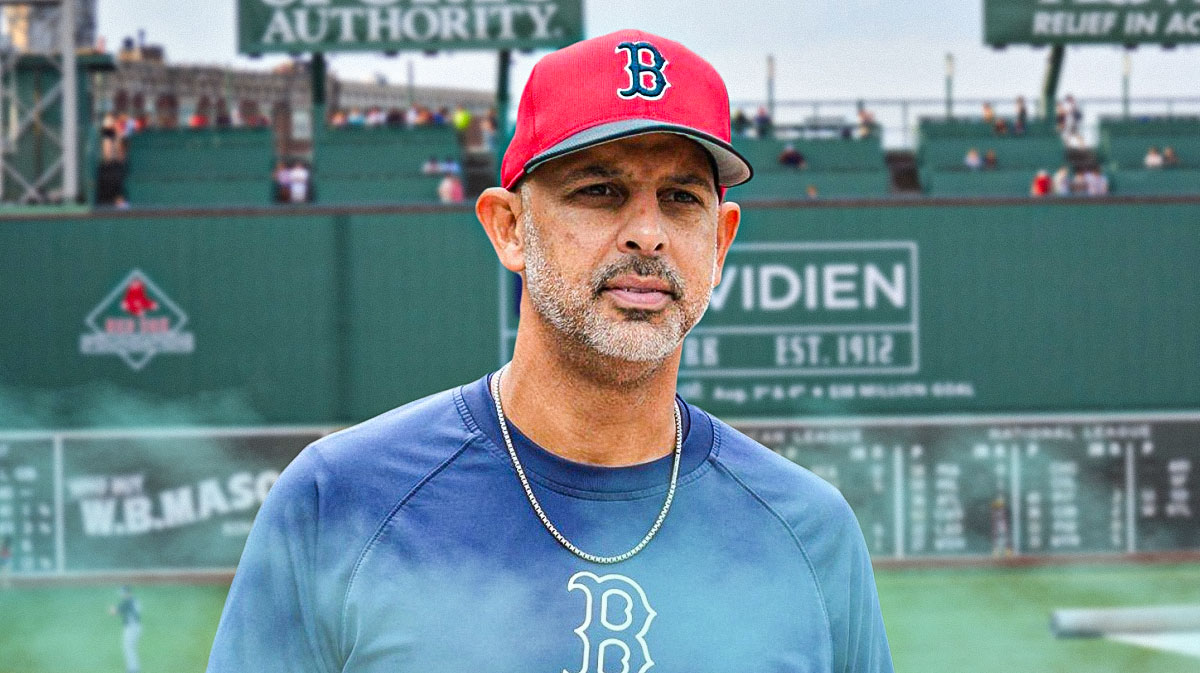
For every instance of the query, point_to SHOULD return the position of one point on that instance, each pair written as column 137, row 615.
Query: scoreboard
column 80, row 502
column 137, row 500
column 1007, row 485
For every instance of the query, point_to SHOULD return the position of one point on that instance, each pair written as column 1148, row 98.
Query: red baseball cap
column 615, row 86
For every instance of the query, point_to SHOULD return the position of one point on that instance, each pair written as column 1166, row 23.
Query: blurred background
column 966, row 292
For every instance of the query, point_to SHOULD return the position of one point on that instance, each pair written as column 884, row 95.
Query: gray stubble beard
column 575, row 311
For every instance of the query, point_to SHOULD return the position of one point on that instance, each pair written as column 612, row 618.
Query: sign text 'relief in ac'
column 1091, row 21
column 393, row 25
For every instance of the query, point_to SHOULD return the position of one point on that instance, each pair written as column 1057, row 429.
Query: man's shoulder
column 386, row 452
column 793, row 492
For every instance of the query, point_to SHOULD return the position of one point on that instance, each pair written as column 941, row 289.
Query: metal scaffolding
column 23, row 119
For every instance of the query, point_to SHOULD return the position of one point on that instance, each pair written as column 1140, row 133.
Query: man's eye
column 602, row 189
column 680, row 196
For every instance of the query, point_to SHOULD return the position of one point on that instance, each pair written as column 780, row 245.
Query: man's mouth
column 646, row 293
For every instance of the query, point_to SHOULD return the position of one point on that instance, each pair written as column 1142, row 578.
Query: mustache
column 647, row 267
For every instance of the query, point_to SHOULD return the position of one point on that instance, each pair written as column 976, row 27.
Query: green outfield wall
column 979, row 378
column 333, row 315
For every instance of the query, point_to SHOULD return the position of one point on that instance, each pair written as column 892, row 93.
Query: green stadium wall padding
column 939, row 128
column 822, row 155
column 302, row 316
column 202, row 153
column 793, row 184
column 380, row 164
column 1011, row 152
column 977, row 183
column 375, row 189
column 253, row 191
column 1166, row 181
column 1124, row 142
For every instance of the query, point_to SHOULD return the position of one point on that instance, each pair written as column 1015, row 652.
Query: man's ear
column 729, row 216
column 498, row 211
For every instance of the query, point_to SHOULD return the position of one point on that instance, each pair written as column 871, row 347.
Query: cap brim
column 732, row 168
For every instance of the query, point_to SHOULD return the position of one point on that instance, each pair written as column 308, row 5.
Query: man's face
column 621, row 244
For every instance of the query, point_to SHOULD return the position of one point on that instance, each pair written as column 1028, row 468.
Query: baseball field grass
column 957, row 620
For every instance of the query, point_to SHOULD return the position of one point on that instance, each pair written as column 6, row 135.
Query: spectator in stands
column 989, row 160
column 1073, row 115
column 120, row 202
column 989, row 115
column 1153, row 158
column 487, row 129
column 449, row 166
column 356, row 118
column 460, row 119
column 441, row 117
column 1041, row 184
column 1095, row 182
column 972, row 160
column 375, row 116
column 740, row 123
column 792, row 158
column 1000, row 127
column 1062, row 181
column 394, row 118
column 430, row 167
column 763, row 126
column 1079, row 182
column 811, row 192
column 1060, row 117
column 1170, row 160
column 1072, row 126
column 866, row 123
column 338, row 119
column 108, row 138
column 450, row 189
column 1022, row 119
column 298, row 183
column 198, row 120
column 283, row 182
column 224, row 119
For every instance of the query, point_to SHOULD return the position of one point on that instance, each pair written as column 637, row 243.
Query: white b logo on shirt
column 614, row 625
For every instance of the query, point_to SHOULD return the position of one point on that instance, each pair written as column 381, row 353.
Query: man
column 6, row 556
column 130, row 612
column 570, row 512
column 298, row 181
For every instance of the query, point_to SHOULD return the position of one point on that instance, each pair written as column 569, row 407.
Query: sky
column 824, row 49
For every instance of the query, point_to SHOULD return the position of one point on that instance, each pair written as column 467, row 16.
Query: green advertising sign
column 182, row 500
column 807, row 308
column 173, row 500
column 1091, row 21
column 392, row 25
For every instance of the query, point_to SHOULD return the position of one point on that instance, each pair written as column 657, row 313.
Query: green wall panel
column 330, row 316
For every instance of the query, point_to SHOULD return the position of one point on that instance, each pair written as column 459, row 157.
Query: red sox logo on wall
column 136, row 321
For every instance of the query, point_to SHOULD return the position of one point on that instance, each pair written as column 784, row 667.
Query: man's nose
column 644, row 231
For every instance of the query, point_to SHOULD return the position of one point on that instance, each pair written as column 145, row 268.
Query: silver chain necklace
column 537, row 507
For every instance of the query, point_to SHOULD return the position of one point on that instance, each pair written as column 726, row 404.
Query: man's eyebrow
column 690, row 179
column 592, row 171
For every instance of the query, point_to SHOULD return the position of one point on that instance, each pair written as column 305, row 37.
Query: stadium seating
column 1124, row 142
column 961, row 182
column 943, row 144
column 836, row 167
column 793, row 184
column 200, row 167
column 1154, row 182
column 832, row 154
column 380, row 164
